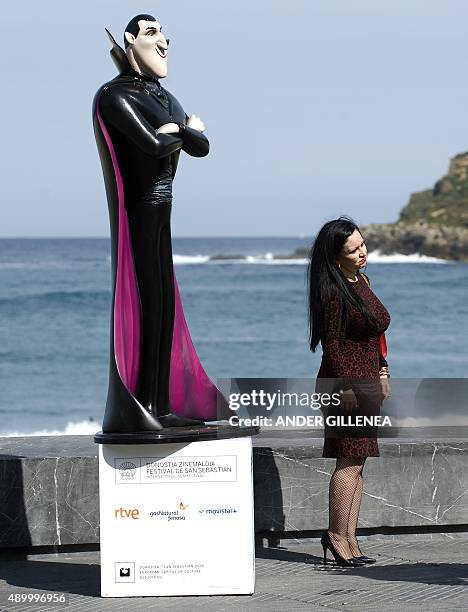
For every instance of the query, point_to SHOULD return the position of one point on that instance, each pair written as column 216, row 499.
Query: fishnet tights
column 345, row 494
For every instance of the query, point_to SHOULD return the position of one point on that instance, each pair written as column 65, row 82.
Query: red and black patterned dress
column 353, row 363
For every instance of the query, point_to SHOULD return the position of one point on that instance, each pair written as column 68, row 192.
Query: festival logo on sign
column 127, row 470
column 219, row 468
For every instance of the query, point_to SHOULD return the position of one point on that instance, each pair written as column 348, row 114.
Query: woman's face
column 353, row 254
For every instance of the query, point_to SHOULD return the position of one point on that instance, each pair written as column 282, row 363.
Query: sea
column 247, row 312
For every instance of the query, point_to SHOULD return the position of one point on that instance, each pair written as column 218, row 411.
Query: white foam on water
column 190, row 259
column 377, row 257
column 269, row 259
column 79, row 428
column 266, row 259
column 32, row 265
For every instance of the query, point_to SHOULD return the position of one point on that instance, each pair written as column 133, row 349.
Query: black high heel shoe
column 327, row 544
column 365, row 559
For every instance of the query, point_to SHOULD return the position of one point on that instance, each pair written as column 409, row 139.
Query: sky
column 313, row 108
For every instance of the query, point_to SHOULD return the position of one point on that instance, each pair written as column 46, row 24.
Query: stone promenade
column 414, row 572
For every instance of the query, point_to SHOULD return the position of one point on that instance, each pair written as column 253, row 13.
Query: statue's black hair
column 133, row 26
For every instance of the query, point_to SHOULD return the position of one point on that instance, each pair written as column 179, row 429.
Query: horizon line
column 300, row 236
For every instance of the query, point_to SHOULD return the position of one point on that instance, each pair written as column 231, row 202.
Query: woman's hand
column 384, row 388
column 348, row 400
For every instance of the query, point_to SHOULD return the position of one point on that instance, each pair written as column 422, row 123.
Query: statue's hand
column 196, row 123
column 168, row 128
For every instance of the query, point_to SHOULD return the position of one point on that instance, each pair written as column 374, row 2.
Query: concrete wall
column 49, row 486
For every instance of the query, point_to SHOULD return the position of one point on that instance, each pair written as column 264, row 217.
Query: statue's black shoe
column 365, row 559
column 174, row 420
column 131, row 419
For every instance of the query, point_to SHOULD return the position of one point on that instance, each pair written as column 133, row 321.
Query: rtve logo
column 132, row 513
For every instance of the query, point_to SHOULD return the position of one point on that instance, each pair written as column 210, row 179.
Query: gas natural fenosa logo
column 171, row 515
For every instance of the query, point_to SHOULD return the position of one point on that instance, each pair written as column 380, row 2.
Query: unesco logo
column 127, row 470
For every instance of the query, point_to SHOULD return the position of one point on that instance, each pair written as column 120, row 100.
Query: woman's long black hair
column 326, row 281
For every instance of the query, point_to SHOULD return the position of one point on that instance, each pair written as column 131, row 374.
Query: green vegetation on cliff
column 447, row 203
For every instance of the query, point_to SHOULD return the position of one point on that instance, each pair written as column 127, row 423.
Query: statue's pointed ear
column 119, row 57
column 129, row 38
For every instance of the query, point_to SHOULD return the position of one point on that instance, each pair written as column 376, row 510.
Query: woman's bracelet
column 384, row 371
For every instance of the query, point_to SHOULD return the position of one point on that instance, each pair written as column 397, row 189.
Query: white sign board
column 177, row 519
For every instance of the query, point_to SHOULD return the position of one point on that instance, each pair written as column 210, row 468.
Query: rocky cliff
column 434, row 222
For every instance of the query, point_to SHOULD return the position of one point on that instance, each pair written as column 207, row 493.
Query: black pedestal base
column 177, row 434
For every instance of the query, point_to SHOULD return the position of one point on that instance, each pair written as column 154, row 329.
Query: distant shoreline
column 390, row 243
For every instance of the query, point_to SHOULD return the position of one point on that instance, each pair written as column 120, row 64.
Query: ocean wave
column 78, row 428
column 377, row 257
column 259, row 261
column 228, row 259
column 270, row 259
column 58, row 297
column 275, row 260
column 233, row 339
column 190, row 259
column 33, row 265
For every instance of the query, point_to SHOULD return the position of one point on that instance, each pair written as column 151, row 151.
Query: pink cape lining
column 191, row 392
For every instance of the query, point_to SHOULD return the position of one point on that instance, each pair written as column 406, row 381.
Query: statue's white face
column 147, row 51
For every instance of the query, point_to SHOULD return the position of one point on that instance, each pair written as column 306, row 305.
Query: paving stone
column 413, row 573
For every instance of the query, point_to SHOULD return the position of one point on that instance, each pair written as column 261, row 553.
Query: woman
column 348, row 320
